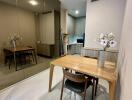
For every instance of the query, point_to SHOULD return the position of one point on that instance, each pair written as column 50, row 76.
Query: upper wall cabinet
column 75, row 25
column 70, row 24
column 64, row 21
column 80, row 25
column 47, row 34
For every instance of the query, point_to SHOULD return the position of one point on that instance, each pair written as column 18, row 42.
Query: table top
column 87, row 66
column 19, row 49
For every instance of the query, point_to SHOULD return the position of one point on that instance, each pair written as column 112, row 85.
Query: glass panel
column 8, row 22
column 21, row 18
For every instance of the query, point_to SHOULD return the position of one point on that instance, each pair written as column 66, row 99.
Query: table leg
column 51, row 76
column 15, row 61
column 96, row 85
column 35, row 56
column 112, row 89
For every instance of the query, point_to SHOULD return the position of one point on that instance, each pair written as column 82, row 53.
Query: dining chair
column 91, row 53
column 77, row 83
column 8, row 57
column 28, row 55
column 96, row 81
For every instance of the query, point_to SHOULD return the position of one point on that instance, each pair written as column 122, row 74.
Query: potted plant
column 107, row 41
column 13, row 39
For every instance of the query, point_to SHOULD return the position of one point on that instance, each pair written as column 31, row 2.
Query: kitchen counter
column 75, row 44
column 74, row 48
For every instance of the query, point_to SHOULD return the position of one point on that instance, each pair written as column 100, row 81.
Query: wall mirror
column 37, row 23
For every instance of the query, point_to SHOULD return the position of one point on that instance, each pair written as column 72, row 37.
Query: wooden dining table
column 20, row 49
column 87, row 66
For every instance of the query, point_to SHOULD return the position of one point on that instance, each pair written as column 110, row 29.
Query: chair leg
column 25, row 60
column 9, row 65
column 5, row 61
column 62, row 89
column 96, row 86
column 85, row 90
column 84, row 96
column 93, row 89
column 32, row 57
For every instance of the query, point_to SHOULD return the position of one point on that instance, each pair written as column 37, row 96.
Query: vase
column 101, row 59
column 14, row 44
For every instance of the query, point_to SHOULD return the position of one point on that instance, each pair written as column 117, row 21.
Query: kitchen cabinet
column 47, row 31
column 75, row 48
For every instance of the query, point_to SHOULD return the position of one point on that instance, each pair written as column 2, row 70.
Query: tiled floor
column 36, row 88
column 9, row 77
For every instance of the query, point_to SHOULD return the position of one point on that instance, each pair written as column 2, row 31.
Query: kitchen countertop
column 75, row 43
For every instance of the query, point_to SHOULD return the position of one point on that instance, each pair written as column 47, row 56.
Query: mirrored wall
column 37, row 24
column 35, row 21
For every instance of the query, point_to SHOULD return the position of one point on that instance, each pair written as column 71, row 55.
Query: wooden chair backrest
column 79, row 78
column 7, row 53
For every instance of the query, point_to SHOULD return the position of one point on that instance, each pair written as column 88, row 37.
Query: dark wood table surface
column 19, row 49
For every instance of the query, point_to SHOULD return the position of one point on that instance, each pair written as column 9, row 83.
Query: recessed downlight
column 33, row 2
column 77, row 12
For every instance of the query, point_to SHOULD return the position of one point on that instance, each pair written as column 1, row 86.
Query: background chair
column 77, row 83
column 9, row 56
column 27, row 56
column 30, row 54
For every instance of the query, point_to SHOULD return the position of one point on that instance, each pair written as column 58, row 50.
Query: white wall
column 75, row 25
column 70, row 24
column 64, row 21
column 80, row 25
column 125, row 59
column 103, row 16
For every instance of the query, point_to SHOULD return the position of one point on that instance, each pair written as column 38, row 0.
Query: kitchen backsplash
column 73, row 37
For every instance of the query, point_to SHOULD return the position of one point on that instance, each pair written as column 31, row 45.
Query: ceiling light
column 77, row 12
column 33, row 2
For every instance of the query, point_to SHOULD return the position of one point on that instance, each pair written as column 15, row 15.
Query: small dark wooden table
column 19, row 49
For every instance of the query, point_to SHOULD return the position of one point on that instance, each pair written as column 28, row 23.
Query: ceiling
column 72, row 5
column 49, row 4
